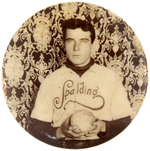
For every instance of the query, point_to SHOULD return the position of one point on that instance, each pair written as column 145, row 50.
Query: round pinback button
column 74, row 75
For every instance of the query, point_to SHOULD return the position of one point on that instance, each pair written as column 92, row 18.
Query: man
column 79, row 85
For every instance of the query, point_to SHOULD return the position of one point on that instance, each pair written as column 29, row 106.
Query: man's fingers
column 97, row 122
column 93, row 127
column 77, row 130
column 92, row 131
column 73, row 127
column 90, row 134
column 76, row 135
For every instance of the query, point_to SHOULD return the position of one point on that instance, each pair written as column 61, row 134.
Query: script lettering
column 69, row 89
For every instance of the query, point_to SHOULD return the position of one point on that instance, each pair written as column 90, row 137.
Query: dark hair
column 78, row 23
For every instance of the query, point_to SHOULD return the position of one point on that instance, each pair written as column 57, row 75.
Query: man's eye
column 84, row 41
column 69, row 40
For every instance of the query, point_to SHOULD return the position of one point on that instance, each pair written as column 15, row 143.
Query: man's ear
column 63, row 45
column 95, row 47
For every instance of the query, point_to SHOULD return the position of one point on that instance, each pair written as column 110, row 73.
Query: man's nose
column 76, row 46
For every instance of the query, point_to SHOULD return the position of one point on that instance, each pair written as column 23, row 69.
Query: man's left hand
column 98, row 126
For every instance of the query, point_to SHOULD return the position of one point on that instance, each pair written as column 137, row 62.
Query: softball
column 83, row 119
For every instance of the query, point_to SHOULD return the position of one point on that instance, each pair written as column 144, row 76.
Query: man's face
column 78, row 46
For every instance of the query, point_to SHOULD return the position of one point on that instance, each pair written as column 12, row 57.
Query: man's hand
column 98, row 126
column 69, row 131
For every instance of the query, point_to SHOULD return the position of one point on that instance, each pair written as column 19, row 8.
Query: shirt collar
column 79, row 70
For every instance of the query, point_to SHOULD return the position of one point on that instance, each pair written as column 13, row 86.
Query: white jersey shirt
column 98, row 90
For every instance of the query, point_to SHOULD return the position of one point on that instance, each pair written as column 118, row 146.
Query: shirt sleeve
column 113, row 128
column 43, row 109
column 120, row 105
column 43, row 131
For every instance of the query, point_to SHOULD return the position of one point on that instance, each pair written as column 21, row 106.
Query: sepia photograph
column 74, row 75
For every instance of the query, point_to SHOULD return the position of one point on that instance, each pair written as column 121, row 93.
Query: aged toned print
column 81, row 100
column 80, row 75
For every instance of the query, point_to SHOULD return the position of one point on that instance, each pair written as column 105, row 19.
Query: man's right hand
column 69, row 131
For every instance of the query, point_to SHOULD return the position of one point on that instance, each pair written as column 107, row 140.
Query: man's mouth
column 76, row 55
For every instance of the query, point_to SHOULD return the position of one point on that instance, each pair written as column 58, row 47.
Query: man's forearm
column 43, row 131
